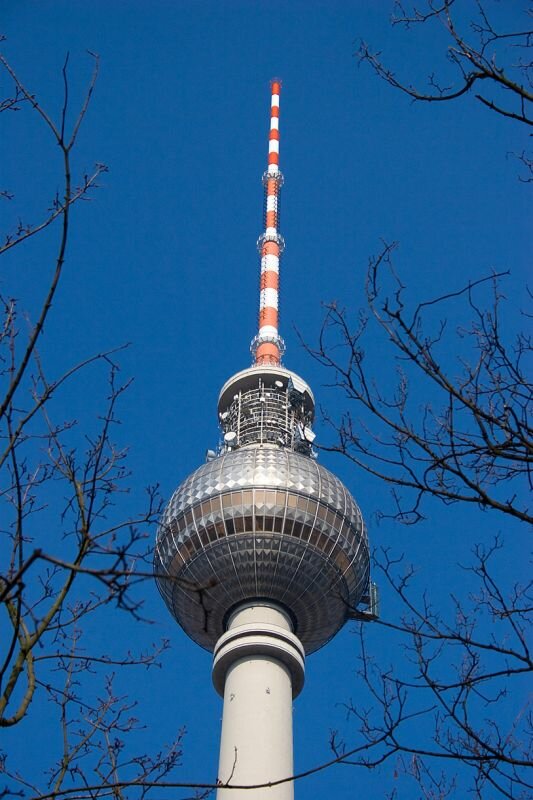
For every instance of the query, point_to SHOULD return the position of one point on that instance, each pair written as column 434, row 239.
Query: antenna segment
column 267, row 346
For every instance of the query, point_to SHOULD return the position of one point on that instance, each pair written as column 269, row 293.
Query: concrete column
column 258, row 668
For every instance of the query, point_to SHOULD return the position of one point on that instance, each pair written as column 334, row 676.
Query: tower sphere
column 263, row 521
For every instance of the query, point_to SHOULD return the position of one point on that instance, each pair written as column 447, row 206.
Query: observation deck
column 263, row 521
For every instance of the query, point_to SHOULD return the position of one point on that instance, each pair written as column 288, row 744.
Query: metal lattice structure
column 267, row 406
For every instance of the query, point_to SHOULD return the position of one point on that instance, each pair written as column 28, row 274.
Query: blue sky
column 164, row 258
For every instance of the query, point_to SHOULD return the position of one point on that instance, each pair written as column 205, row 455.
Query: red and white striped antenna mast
column 267, row 346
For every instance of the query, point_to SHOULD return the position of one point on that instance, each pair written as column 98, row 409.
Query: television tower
column 262, row 554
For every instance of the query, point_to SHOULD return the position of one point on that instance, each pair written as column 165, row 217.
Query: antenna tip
column 275, row 85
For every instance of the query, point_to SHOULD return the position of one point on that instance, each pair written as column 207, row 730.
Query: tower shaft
column 259, row 667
